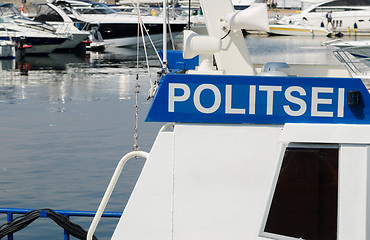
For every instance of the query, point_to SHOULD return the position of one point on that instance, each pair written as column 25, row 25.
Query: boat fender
column 355, row 26
column 339, row 34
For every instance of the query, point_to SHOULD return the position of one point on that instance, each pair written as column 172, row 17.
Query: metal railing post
column 9, row 217
column 66, row 234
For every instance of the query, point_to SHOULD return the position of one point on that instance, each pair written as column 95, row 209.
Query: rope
column 151, row 41
column 169, row 31
column 153, row 86
column 145, row 50
column 226, row 35
column 23, row 221
column 141, row 30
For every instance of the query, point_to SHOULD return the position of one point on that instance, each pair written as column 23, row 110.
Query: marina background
column 280, row 3
column 66, row 121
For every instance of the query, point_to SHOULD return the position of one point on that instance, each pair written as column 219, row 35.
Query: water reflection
column 98, row 76
column 60, row 78
column 7, row 64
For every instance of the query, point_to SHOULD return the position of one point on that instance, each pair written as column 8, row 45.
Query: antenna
column 189, row 15
column 164, row 35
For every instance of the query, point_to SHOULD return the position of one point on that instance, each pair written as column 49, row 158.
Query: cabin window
column 346, row 3
column 45, row 14
column 320, row 9
column 305, row 200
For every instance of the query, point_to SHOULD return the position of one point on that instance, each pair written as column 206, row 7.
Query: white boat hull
column 42, row 42
column 74, row 35
column 119, row 29
column 73, row 41
column 297, row 30
column 347, row 19
column 64, row 26
column 274, row 156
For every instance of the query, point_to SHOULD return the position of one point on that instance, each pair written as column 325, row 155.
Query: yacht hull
column 125, row 34
column 39, row 45
column 294, row 30
column 73, row 41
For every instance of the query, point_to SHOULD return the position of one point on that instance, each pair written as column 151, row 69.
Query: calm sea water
column 65, row 124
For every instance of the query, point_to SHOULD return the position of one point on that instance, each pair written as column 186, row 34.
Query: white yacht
column 297, row 29
column 63, row 24
column 348, row 16
column 40, row 38
column 117, row 28
column 274, row 151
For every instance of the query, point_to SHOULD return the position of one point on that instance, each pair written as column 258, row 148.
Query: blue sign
column 259, row 100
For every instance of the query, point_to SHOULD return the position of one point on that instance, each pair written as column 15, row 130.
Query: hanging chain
column 136, row 142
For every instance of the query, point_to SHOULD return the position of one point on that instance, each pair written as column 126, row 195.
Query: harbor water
column 66, row 120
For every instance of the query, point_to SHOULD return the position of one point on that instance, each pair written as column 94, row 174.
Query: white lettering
column 270, row 97
column 340, row 102
column 172, row 98
column 321, row 100
column 252, row 99
column 216, row 103
column 298, row 101
column 316, row 101
column 228, row 108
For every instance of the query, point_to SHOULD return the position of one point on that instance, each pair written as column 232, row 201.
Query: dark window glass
column 305, row 200
column 45, row 14
column 347, row 3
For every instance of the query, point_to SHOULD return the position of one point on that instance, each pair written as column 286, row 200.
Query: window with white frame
column 305, row 200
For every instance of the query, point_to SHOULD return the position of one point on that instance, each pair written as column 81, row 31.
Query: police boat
column 250, row 152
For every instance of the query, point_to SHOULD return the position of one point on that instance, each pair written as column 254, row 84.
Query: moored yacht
column 297, row 29
column 40, row 36
column 64, row 25
column 117, row 28
column 348, row 16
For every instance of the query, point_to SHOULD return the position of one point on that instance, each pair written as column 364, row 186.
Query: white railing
column 110, row 189
column 357, row 66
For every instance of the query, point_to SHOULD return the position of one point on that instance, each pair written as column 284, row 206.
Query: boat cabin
column 252, row 153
